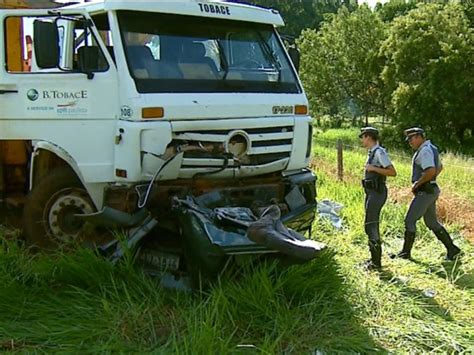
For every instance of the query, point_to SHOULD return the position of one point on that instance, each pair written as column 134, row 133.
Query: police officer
column 377, row 168
column 426, row 166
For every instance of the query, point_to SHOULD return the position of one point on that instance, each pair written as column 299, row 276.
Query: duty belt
column 428, row 187
column 373, row 184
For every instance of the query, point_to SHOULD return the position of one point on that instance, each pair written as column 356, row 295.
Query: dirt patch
column 400, row 195
column 459, row 210
column 320, row 164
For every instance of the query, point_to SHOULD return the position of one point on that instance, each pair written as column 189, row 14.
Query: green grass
column 393, row 304
column 81, row 303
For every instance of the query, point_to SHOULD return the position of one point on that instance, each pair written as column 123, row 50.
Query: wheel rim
column 60, row 211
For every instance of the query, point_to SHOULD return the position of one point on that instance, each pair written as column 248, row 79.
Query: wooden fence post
column 340, row 165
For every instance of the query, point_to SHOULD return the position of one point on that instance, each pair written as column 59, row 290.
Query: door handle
column 8, row 89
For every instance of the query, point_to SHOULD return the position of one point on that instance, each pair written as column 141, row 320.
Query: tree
column 429, row 70
column 394, row 8
column 301, row 14
column 317, row 74
column 469, row 10
column 341, row 64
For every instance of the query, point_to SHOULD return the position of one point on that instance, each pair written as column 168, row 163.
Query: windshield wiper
column 224, row 62
column 270, row 55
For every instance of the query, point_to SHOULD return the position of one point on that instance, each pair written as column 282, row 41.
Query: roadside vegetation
column 79, row 301
column 409, row 62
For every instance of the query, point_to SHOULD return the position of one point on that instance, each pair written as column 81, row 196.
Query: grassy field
column 456, row 203
column 79, row 302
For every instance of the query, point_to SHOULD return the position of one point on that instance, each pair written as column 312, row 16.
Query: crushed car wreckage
column 203, row 225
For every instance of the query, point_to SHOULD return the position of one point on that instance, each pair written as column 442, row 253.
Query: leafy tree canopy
column 341, row 63
column 430, row 70
column 394, row 8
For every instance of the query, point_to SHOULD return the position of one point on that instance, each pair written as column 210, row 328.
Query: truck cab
column 125, row 105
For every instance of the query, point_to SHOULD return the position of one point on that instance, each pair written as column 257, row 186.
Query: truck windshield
column 174, row 53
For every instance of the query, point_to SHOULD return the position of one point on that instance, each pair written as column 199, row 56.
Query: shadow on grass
column 80, row 301
column 75, row 302
column 422, row 296
column 466, row 281
column 299, row 309
column 451, row 271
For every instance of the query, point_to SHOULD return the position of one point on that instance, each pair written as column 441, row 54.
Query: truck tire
column 48, row 215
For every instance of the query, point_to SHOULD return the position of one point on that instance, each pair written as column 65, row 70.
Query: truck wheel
column 48, row 216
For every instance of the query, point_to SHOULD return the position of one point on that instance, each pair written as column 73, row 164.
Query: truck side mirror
column 88, row 58
column 46, row 44
column 295, row 57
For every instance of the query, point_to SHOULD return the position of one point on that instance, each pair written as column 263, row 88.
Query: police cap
column 370, row 131
column 410, row 132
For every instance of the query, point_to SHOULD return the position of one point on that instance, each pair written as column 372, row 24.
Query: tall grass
column 395, row 304
column 80, row 302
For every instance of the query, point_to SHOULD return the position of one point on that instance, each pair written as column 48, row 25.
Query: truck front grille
column 266, row 145
column 223, row 148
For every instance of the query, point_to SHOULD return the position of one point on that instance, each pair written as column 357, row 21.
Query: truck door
column 58, row 84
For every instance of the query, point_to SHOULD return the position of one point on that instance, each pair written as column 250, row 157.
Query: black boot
column 405, row 253
column 445, row 238
column 376, row 256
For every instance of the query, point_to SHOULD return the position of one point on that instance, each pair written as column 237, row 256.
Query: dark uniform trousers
column 423, row 205
column 374, row 201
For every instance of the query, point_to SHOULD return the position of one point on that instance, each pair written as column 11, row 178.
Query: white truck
column 132, row 106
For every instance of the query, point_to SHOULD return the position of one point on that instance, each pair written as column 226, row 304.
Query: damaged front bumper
column 209, row 221
column 212, row 234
